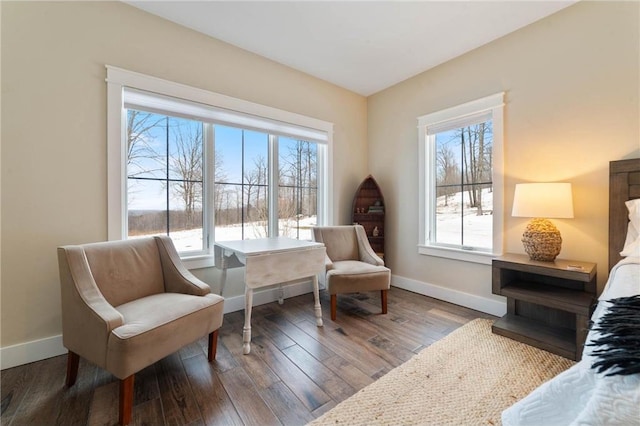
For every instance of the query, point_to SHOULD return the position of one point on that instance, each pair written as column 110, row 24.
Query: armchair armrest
column 367, row 254
column 328, row 263
column 87, row 317
column 177, row 278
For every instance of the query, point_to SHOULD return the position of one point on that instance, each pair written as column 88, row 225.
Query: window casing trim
column 489, row 107
column 119, row 79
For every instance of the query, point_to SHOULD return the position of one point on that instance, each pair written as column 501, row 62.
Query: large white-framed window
column 201, row 166
column 461, row 181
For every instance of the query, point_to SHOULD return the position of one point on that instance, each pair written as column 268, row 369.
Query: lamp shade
column 544, row 200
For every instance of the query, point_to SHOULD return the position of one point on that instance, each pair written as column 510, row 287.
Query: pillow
column 634, row 214
column 631, row 243
column 632, row 248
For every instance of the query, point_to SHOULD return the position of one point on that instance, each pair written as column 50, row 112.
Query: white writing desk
column 268, row 262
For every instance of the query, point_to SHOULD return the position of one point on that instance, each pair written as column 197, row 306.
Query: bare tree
column 475, row 143
column 186, row 163
column 448, row 172
column 298, row 171
column 219, row 189
column 255, row 188
column 139, row 138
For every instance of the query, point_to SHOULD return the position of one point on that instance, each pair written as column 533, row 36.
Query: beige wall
column 572, row 89
column 54, row 164
column 571, row 85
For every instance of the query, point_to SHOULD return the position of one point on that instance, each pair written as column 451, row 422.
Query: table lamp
column 540, row 201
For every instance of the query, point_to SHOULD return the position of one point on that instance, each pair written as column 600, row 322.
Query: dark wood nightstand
column 548, row 303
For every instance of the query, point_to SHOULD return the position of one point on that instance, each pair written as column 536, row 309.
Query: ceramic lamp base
column 542, row 240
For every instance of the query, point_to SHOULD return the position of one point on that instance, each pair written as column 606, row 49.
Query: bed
column 583, row 395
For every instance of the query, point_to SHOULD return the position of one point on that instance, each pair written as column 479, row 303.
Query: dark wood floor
column 295, row 372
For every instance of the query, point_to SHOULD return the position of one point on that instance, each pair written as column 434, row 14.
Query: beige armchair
column 127, row 304
column 352, row 266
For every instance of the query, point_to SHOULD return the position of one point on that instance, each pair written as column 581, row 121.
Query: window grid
column 479, row 193
column 158, row 96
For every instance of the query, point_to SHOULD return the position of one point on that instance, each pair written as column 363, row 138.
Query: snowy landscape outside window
column 166, row 186
column 204, row 167
column 461, row 181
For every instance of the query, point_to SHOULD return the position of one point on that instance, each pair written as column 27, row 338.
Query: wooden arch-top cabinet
column 368, row 211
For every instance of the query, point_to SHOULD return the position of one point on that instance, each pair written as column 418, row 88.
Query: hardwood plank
column 350, row 374
column 255, row 367
column 177, row 398
column 326, row 379
column 265, row 328
column 104, row 405
column 149, row 413
column 193, row 349
column 74, row 408
column 284, row 404
column 246, row 399
column 321, row 410
column 16, row 383
column 145, row 386
column 393, row 347
column 209, row 393
column 224, row 358
column 333, row 338
column 41, row 405
column 300, row 384
column 301, row 338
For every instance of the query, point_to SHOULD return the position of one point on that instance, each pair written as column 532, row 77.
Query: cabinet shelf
column 367, row 195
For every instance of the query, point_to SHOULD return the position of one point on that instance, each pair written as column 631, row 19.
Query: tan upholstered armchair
column 352, row 265
column 127, row 304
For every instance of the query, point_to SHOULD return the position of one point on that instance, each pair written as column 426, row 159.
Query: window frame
column 430, row 124
column 118, row 80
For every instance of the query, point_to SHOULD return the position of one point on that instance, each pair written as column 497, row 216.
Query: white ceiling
column 362, row 46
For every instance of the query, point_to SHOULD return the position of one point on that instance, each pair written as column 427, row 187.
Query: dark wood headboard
column 624, row 184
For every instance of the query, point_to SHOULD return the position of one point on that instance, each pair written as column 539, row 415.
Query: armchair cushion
column 352, row 276
column 154, row 326
column 340, row 245
column 126, row 270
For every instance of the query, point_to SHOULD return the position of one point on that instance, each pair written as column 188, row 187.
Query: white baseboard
column 471, row 301
column 37, row 350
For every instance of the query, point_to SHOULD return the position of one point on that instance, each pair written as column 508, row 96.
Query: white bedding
column 580, row 396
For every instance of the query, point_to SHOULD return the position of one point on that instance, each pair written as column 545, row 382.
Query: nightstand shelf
column 577, row 302
column 548, row 303
column 557, row 340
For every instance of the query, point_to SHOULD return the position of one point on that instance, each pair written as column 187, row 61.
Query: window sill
column 198, row 262
column 457, row 254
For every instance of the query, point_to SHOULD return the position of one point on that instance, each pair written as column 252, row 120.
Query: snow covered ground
column 478, row 230
column 191, row 240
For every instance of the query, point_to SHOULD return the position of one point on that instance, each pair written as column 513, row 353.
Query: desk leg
column 223, row 280
column 316, row 297
column 280, row 294
column 246, row 331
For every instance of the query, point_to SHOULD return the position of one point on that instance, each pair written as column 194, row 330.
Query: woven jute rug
column 467, row 378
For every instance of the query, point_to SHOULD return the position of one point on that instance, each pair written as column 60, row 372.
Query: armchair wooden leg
column 383, row 297
column 126, row 400
column 73, row 359
column 334, row 306
column 213, row 345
